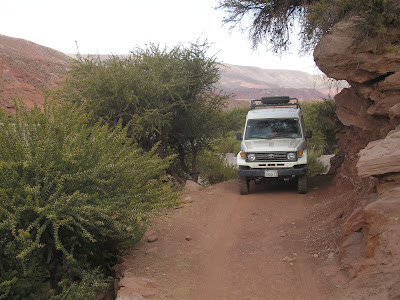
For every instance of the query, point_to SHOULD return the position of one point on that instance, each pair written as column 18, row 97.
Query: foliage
column 373, row 18
column 214, row 168
column 228, row 143
column 72, row 196
column 212, row 164
column 274, row 21
column 271, row 20
column 320, row 117
column 233, row 121
column 314, row 166
column 162, row 96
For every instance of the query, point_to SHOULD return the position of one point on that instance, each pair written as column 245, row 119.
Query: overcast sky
column 118, row 26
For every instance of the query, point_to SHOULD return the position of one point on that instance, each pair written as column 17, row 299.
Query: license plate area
column 271, row 173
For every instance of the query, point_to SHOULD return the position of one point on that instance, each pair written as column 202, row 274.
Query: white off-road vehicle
column 274, row 144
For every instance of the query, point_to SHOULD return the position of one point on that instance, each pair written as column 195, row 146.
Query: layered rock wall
column 369, row 150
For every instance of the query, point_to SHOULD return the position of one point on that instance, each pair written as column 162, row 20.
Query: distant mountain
column 27, row 70
column 251, row 83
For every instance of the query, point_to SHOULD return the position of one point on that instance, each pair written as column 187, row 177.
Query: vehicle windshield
column 272, row 129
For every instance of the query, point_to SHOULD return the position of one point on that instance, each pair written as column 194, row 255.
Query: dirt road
column 221, row 245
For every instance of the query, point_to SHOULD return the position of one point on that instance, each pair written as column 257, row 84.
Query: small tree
column 162, row 96
column 72, row 196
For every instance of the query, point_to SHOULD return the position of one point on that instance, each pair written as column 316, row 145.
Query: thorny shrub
column 72, row 196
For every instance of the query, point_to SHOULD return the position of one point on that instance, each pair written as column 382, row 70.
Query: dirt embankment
column 271, row 244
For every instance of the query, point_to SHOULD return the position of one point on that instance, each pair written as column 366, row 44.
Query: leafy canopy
column 273, row 21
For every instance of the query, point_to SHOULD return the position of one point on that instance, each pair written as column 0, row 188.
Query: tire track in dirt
column 213, row 286
column 241, row 247
column 258, row 254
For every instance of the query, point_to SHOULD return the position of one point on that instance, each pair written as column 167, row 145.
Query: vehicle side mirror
column 239, row 136
column 308, row 134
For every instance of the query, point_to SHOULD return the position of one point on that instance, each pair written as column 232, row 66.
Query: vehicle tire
column 244, row 185
column 302, row 184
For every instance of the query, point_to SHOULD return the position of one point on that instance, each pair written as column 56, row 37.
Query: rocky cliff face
column 369, row 151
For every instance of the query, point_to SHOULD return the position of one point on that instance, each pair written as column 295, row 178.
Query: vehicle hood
column 271, row 145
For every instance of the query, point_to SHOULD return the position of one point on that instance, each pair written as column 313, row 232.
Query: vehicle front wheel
column 244, row 185
column 302, row 184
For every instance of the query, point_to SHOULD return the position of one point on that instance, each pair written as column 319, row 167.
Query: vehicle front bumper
column 281, row 172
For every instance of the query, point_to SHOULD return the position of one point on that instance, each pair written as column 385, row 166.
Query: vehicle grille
column 270, row 156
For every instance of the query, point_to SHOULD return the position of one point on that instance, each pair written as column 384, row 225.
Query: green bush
column 212, row 165
column 235, row 119
column 72, row 196
column 228, row 143
column 214, row 168
column 320, row 118
column 314, row 166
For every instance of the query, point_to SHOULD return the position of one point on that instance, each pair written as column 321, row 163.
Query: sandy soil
column 220, row 245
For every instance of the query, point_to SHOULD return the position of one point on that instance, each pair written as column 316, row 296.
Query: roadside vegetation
column 73, row 195
column 320, row 117
column 213, row 164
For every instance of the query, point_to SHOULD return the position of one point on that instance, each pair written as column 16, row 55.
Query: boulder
column 341, row 56
column 352, row 110
column 394, row 111
column 381, row 156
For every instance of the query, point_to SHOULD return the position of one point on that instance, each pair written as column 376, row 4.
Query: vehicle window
column 272, row 128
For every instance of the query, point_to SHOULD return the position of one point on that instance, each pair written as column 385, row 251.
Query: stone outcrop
column 369, row 151
column 381, row 157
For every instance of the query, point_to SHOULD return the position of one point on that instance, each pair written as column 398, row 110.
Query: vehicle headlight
column 251, row 157
column 291, row 156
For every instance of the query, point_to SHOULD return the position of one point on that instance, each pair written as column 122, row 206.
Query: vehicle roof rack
column 277, row 101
